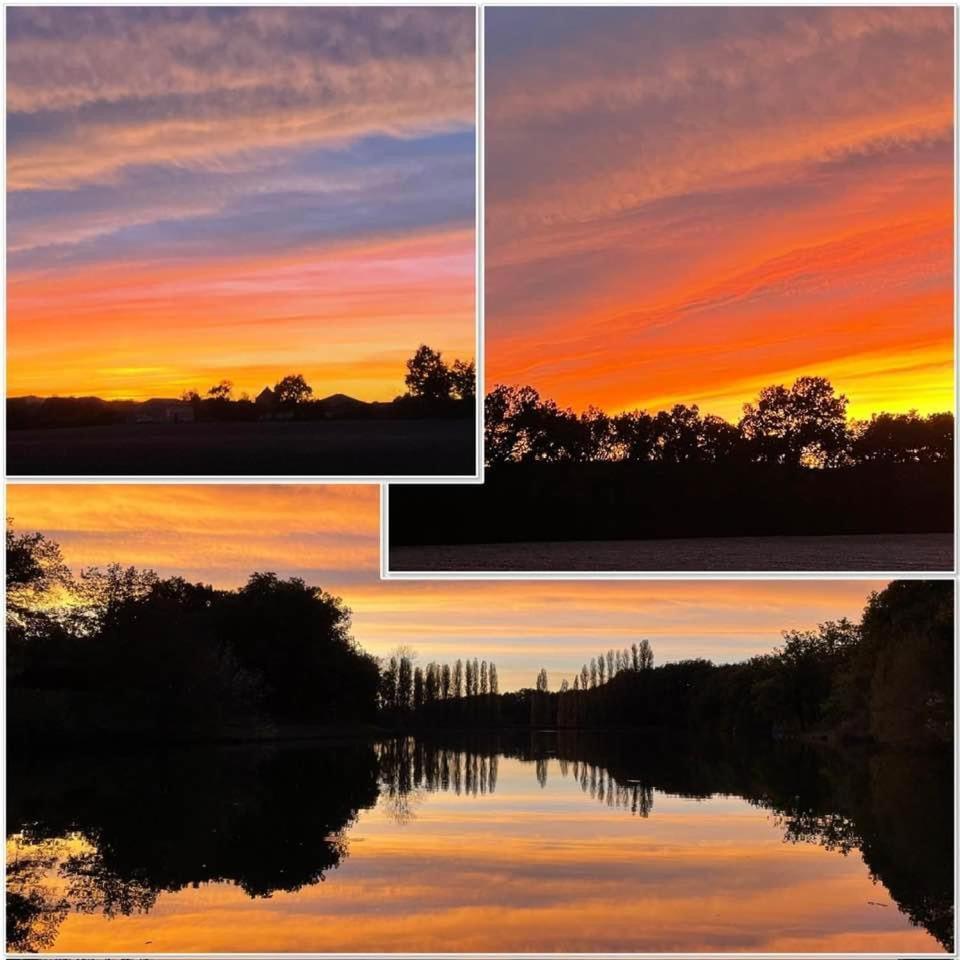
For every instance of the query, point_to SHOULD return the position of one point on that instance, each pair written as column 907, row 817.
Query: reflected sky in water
column 539, row 855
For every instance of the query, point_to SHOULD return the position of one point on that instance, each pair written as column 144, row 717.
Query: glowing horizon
column 329, row 535
column 199, row 194
column 685, row 205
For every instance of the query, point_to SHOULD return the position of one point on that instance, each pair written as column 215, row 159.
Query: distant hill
column 340, row 401
column 32, row 411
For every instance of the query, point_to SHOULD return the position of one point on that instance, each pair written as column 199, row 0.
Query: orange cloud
column 251, row 320
column 330, row 535
column 685, row 205
column 237, row 193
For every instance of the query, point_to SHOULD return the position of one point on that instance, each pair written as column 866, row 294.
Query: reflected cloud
column 599, row 846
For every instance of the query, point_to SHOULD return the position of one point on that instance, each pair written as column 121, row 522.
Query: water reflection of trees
column 34, row 912
column 894, row 807
column 634, row 797
column 128, row 828
column 408, row 765
column 124, row 829
column 410, row 768
column 897, row 811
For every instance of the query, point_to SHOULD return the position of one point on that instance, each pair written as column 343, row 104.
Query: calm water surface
column 535, row 842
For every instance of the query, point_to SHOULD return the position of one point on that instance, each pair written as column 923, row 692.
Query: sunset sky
column 329, row 536
column 205, row 193
column 687, row 204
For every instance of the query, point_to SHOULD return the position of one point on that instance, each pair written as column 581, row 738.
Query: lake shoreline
column 261, row 734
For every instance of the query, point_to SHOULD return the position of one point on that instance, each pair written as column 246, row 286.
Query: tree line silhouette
column 405, row 688
column 793, row 465
column 122, row 650
column 842, row 681
column 639, row 656
column 434, row 389
column 804, row 424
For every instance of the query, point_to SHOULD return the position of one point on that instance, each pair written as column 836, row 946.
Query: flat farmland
column 311, row 448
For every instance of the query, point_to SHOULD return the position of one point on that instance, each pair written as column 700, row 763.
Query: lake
column 523, row 842
column 883, row 552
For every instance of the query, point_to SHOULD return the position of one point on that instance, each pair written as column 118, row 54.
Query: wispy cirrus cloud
column 666, row 183
column 145, row 139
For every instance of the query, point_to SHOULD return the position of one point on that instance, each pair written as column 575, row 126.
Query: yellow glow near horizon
column 686, row 205
column 329, row 535
column 199, row 194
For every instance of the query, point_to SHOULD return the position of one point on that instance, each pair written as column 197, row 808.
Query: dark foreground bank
column 551, row 502
column 296, row 448
column 885, row 551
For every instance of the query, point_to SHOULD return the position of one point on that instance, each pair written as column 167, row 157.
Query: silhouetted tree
column 904, row 438
column 634, row 436
column 542, row 682
column 896, row 684
column 297, row 638
column 405, row 683
column 803, row 424
column 428, row 376
column 169, row 655
column 645, row 655
column 806, row 665
column 515, row 425
column 458, row 679
column 595, row 436
column 292, row 389
column 494, row 683
column 463, row 380
column 36, row 573
column 388, row 683
column 222, row 391
column 720, row 441
column 418, row 695
column 678, row 434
